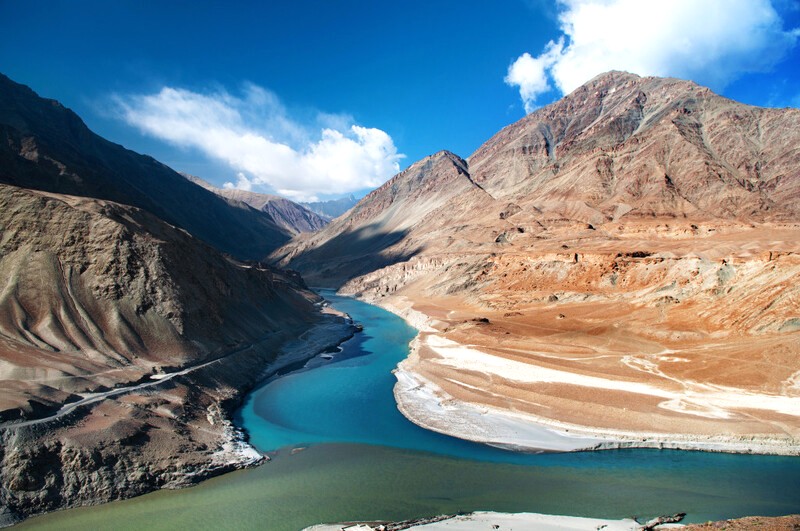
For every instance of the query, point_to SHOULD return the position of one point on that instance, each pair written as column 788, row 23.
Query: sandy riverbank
column 433, row 407
column 533, row 397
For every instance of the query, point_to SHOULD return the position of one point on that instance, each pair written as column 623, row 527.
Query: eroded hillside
column 619, row 262
column 128, row 335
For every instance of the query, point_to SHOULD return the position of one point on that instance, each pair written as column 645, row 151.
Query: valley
column 610, row 266
column 615, row 271
column 127, row 340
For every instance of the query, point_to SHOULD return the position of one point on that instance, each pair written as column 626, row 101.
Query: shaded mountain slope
column 391, row 224
column 293, row 217
column 95, row 293
column 45, row 146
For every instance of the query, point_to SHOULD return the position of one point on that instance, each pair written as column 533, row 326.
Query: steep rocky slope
column 617, row 264
column 98, row 296
column 44, row 146
column 618, row 149
column 391, row 224
column 90, row 286
column 292, row 216
column 126, row 340
column 627, row 146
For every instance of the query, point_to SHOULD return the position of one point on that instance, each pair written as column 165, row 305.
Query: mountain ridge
column 292, row 216
column 613, row 108
column 48, row 147
column 127, row 340
column 381, row 220
column 603, row 154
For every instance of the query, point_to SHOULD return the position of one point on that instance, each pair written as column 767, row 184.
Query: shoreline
column 428, row 406
column 309, row 344
column 210, row 396
column 420, row 401
column 480, row 520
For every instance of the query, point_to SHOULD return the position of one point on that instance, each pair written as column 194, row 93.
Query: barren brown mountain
column 619, row 265
column 151, row 334
column 47, row 147
column 126, row 342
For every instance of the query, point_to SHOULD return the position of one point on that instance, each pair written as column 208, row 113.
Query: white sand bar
column 428, row 405
column 418, row 398
column 707, row 400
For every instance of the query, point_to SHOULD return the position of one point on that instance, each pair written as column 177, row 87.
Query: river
column 341, row 451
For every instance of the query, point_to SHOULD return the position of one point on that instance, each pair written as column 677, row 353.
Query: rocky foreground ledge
column 543, row 522
column 481, row 520
column 170, row 435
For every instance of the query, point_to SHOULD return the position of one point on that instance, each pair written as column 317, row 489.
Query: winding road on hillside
column 92, row 398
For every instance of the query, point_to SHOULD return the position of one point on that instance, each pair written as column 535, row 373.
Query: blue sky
column 318, row 99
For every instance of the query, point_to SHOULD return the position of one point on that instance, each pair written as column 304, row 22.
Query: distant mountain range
column 332, row 208
column 293, row 217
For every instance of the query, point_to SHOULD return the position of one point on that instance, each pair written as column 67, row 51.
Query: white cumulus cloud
column 709, row 41
column 268, row 149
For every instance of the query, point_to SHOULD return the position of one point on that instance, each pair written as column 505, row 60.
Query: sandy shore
column 504, row 521
column 430, row 406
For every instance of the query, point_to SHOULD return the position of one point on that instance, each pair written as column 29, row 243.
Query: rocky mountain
column 641, row 232
column 92, row 286
column 292, row 216
column 126, row 342
column 627, row 146
column 382, row 228
column 619, row 148
column 48, row 147
column 333, row 208
column 99, row 297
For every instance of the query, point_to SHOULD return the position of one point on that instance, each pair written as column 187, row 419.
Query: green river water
column 362, row 460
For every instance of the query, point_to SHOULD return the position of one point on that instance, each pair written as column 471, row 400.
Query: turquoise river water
column 341, row 451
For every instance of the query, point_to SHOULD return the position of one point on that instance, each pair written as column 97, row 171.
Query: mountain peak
column 613, row 77
column 441, row 160
column 647, row 146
